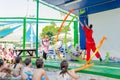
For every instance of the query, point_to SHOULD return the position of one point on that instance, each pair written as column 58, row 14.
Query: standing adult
column 45, row 46
column 90, row 43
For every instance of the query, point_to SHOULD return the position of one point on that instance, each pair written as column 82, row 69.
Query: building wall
column 107, row 24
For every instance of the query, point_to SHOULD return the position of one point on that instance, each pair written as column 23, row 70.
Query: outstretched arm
column 85, row 24
column 45, row 75
column 80, row 23
column 73, row 75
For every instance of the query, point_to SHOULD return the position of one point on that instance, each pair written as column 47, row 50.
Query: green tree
column 51, row 30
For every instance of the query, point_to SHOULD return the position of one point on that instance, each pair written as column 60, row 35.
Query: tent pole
column 24, row 35
column 37, row 19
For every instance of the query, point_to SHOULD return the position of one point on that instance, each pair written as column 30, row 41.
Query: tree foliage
column 52, row 29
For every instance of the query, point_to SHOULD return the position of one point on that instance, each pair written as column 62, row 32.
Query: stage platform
column 110, row 69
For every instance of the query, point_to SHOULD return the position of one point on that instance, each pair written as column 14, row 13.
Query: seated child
column 65, row 74
column 27, row 72
column 4, row 70
column 40, row 73
column 17, row 68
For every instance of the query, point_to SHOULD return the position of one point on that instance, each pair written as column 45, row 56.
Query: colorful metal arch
column 57, row 53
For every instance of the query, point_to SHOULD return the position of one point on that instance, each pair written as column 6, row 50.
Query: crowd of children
column 25, row 71
column 12, row 67
column 7, row 54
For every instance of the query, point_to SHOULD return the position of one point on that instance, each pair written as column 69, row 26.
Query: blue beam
column 107, row 6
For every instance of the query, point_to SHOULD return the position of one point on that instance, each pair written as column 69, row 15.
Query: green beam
column 12, row 22
column 12, row 17
column 75, row 33
column 24, row 35
column 47, row 19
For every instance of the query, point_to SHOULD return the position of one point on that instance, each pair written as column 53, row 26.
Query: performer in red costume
column 90, row 44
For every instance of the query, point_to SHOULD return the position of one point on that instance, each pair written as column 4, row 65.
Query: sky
column 12, row 8
column 22, row 8
column 27, row 8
